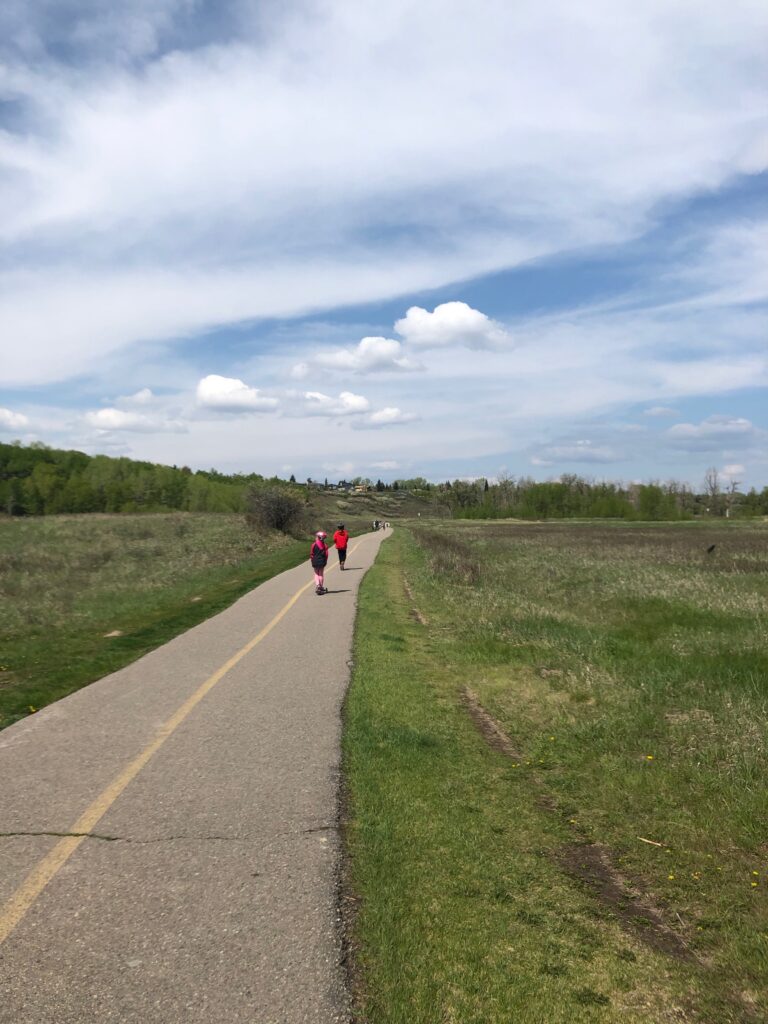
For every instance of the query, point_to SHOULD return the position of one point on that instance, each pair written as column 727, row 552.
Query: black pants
column 342, row 555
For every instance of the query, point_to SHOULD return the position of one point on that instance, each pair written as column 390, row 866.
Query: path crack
column 167, row 839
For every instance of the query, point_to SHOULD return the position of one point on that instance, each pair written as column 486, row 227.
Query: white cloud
column 10, row 420
column 111, row 419
column 476, row 157
column 713, row 432
column 660, row 410
column 385, row 464
column 228, row 394
column 370, row 355
column 451, row 323
column 315, row 403
column 390, row 416
column 142, row 397
column 734, row 470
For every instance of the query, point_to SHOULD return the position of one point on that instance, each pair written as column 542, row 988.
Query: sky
column 415, row 238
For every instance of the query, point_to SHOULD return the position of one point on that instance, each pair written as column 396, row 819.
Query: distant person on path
column 341, row 539
column 318, row 556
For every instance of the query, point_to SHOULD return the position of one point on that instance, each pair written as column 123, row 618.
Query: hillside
column 359, row 510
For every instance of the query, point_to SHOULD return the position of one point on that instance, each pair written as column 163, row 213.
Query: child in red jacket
column 341, row 539
column 318, row 556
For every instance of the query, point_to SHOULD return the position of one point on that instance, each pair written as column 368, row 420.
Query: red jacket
column 341, row 538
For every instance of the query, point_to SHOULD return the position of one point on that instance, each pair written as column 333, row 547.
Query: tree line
column 572, row 496
column 38, row 480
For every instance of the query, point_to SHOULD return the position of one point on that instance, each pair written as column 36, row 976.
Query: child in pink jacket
column 318, row 556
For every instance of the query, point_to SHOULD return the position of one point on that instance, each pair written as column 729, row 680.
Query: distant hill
column 327, row 507
column 38, row 480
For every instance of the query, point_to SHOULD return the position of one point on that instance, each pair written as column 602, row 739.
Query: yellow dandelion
column 671, row 877
column 755, row 872
column 649, row 757
column 32, row 709
column 753, row 884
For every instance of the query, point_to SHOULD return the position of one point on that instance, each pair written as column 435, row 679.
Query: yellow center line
column 17, row 906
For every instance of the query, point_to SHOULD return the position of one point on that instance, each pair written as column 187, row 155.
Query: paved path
column 204, row 779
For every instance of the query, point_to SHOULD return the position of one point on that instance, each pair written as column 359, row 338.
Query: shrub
column 273, row 508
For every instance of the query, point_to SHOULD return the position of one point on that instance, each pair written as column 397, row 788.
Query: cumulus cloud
column 370, row 355
column 390, row 416
column 451, row 323
column 113, row 419
column 733, row 470
column 315, row 403
column 229, row 394
column 10, row 420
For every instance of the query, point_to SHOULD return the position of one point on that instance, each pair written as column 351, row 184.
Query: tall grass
column 628, row 666
column 67, row 582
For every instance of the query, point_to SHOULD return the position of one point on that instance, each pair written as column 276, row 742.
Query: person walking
column 341, row 539
column 318, row 556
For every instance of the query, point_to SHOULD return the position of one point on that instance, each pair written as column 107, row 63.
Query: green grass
column 66, row 581
column 628, row 666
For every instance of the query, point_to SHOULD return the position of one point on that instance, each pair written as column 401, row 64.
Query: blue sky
column 337, row 239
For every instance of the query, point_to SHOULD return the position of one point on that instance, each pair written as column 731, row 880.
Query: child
column 318, row 556
column 341, row 539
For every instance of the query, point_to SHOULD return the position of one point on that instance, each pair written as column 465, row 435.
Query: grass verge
column 625, row 668
column 70, row 582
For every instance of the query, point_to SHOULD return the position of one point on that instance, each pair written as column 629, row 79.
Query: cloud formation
column 142, row 397
column 167, row 170
column 10, row 420
column 451, row 323
column 229, row 394
column 315, row 403
column 390, row 416
column 112, row 419
column 370, row 355
column 713, row 433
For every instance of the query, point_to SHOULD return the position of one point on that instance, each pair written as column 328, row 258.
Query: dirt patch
column 487, row 726
column 591, row 864
column 545, row 673
column 114, row 632
column 416, row 614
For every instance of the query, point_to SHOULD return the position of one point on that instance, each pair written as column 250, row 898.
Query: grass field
column 67, row 582
column 606, row 858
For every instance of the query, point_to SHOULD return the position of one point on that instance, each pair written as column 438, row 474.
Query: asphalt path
column 168, row 839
